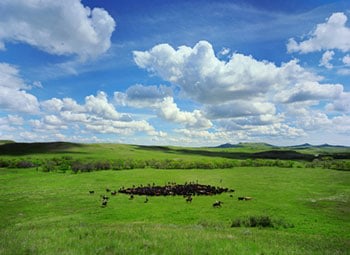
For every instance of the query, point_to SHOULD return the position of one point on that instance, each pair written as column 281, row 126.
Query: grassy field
column 115, row 151
column 53, row 213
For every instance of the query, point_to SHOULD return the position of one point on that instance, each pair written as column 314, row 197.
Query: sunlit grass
column 46, row 213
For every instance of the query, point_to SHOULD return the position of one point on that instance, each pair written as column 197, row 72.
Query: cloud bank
column 244, row 93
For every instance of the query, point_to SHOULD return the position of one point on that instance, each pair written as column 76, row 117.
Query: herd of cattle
column 173, row 189
column 187, row 190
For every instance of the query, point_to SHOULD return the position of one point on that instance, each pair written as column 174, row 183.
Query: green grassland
column 89, row 157
column 53, row 212
column 111, row 151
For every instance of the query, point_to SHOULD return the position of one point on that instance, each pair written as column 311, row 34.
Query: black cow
column 104, row 197
column 104, row 202
column 217, row 204
column 244, row 198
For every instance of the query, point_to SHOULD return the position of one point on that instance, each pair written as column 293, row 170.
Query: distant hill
column 331, row 146
column 247, row 145
column 6, row 141
column 267, row 146
column 304, row 151
column 229, row 145
column 308, row 146
column 301, row 146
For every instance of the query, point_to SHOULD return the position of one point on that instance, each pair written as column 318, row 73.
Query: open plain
column 299, row 209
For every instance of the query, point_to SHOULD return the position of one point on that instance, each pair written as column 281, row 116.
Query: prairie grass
column 53, row 213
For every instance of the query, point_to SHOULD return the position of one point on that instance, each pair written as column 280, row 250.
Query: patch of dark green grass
column 17, row 149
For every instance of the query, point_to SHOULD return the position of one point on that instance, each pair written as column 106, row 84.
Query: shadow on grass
column 16, row 149
column 269, row 154
column 199, row 152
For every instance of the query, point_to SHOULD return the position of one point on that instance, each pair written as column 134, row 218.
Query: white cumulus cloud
column 308, row 91
column 143, row 96
column 160, row 99
column 62, row 27
column 97, row 115
column 208, row 80
column 168, row 110
column 240, row 108
column 13, row 94
column 239, row 87
column 326, row 58
column 333, row 34
column 99, row 106
column 346, row 59
column 205, row 78
column 342, row 104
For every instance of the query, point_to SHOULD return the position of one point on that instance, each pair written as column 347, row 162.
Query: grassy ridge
column 242, row 151
column 123, row 150
column 53, row 213
column 62, row 156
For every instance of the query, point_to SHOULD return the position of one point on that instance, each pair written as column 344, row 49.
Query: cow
column 113, row 193
column 217, row 204
column 104, row 203
column 189, row 199
column 104, row 197
column 244, row 198
column 91, row 191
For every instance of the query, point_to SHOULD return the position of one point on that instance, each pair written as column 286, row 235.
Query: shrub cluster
column 330, row 163
column 77, row 166
column 17, row 163
column 260, row 222
column 65, row 163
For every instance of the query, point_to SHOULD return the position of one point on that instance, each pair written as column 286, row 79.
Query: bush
column 49, row 166
column 260, row 222
column 102, row 165
column 236, row 223
column 25, row 164
column 4, row 163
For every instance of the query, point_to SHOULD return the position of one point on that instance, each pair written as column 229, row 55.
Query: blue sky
column 192, row 73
